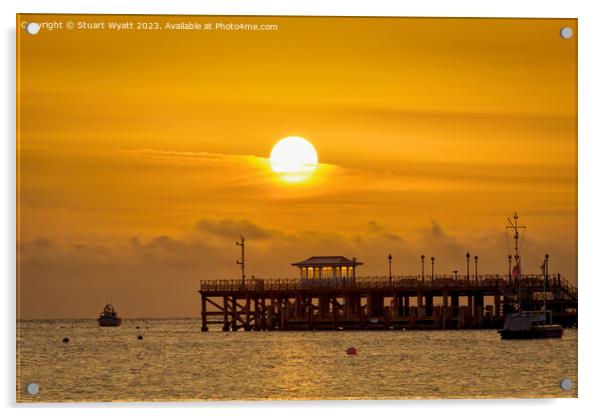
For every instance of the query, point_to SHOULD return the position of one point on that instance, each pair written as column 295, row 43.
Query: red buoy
column 351, row 351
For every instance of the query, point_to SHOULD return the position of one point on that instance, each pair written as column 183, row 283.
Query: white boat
column 527, row 324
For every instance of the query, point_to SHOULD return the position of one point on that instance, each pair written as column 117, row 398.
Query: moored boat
column 108, row 317
column 529, row 325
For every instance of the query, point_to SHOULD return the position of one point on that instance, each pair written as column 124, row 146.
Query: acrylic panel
column 295, row 208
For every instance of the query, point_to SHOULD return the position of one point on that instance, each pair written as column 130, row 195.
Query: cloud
column 41, row 243
column 393, row 237
column 436, row 230
column 232, row 229
column 375, row 227
column 158, row 275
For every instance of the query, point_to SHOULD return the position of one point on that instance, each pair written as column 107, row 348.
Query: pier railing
column 384, row 282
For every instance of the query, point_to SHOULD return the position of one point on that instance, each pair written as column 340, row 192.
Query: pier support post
column 324, row 305
column 497, row 305
column 479, row 303
column 356, row 302
column 284, row 316
column 257, row 314
column 234, row 324
column 470, row 302
column 270, row 317
column 376, row 303
column 335, row 313
column 387, row 313
column 420, row 309
column 455, row 302
column 362, row 317
column 226, row 326
column 264, row 319
column 413, row 313
column 445, row 308
column 204, row 314
column 461, row 313
column 455, row 307
column 429, row 305
column 247, row 325
column 298, row 299
column 348, row 307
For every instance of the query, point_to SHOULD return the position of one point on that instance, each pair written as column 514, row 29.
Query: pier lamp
column 456, row 275
column 546, row 269
column 390, row 258
column 422, row 260
column 509, row 268
column 476, row 273
column 467, row 266
column 432, row 268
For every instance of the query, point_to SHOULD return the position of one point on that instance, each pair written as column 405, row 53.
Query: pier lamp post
column 476, row 273
column 509, row 268
column 241, row 262
column 546, row 270
column 432, row 269
column 390, row 258
column 422, row 261
column 467, row 267
column 455, row 275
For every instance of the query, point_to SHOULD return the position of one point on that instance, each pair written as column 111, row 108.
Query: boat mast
column 515, row 227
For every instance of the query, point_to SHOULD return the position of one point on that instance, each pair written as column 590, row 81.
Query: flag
column 516, row 271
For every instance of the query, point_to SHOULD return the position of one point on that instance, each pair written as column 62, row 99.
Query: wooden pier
column 382, row 303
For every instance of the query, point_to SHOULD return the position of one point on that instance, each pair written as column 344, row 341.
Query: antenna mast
column 515, row 227
column 241, row 243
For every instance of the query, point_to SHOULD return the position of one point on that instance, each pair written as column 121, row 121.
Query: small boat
column 529, row 325
column 108, row 317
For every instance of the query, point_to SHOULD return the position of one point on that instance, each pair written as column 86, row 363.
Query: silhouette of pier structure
column 328, row 296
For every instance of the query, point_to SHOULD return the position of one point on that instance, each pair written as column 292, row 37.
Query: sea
column 175, row 361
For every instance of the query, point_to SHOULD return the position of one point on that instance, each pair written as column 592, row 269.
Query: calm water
column 175, row 361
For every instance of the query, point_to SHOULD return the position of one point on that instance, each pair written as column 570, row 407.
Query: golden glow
column 294, row 159
column 143, row 155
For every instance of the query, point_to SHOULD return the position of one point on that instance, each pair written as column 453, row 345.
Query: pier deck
column 386, row 303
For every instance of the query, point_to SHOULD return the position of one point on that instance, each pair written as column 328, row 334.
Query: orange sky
column 143, row 154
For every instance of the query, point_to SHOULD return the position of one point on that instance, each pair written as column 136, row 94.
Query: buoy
column 351, row 351
column 140, row 337
column 65, row 340
column 137, row 327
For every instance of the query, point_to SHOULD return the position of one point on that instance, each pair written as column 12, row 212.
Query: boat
column 108, row 317
column 528, row 324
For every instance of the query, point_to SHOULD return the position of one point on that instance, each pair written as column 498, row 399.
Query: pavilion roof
column 326, row 261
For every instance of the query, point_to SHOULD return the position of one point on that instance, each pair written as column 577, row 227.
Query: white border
column 590, row 208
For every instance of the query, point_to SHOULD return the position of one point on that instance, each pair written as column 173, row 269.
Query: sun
column 294, row 159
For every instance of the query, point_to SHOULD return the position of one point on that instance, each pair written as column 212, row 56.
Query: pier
column 345, row 302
